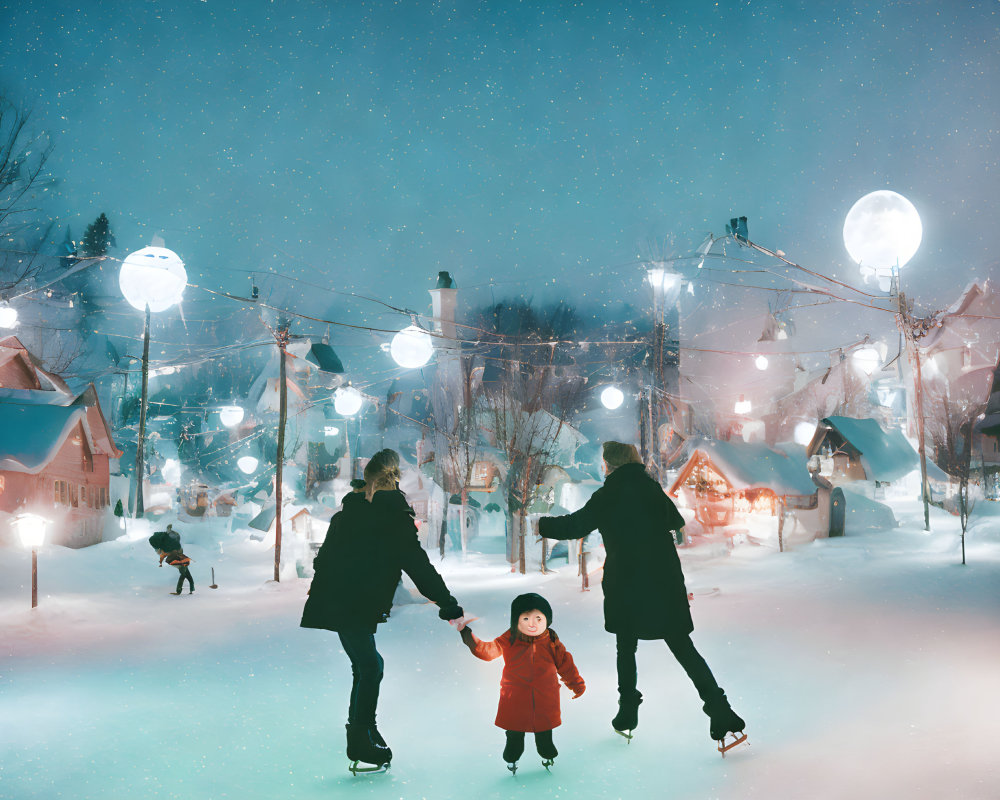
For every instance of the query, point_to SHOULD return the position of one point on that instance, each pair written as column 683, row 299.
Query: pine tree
column 97, row 238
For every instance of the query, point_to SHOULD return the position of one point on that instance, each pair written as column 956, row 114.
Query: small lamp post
column 31, row 530
column 151, row 279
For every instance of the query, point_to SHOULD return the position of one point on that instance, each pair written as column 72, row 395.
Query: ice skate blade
column 548, row 762
column 725, row 746
column 512, row 768
column 626, row 734
column 355, row 769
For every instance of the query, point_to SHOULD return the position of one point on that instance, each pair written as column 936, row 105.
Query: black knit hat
column 529, row 602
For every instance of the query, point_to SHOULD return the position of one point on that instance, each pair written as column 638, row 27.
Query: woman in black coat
column 368, row 546
column 644, row 592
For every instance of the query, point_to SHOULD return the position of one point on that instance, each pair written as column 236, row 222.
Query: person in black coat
column 370, row 542
column 644, row 592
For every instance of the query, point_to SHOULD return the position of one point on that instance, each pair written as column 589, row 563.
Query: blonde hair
column 381, row 472
column 617, row 455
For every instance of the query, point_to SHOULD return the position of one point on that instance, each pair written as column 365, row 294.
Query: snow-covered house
column 56, row 450
column 729, row 484
column 860, row 450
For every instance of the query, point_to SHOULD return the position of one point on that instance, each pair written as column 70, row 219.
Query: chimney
column 443, row 301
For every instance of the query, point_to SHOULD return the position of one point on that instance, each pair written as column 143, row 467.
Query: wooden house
column 55, row 450
column 726, row 484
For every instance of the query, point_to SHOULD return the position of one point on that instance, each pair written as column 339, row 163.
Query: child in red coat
column 534, row 660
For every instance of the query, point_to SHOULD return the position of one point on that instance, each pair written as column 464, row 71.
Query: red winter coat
column 529, row 686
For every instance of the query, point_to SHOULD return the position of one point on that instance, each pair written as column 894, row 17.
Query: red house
column 55, row 450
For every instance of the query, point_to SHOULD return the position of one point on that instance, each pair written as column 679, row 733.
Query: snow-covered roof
column 31, row 434
column 754, row 465
column 885, row 455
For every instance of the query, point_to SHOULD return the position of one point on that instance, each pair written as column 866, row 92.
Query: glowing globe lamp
column 760, row 362
column 411, row 347
column 882, row 231
column 247, row 464
column 612, row 397
column 8, row 317
column 231, row 416
column 347, row 401
column 804, row 432
column 30, row 529
column 154, row 277
column 867, row 359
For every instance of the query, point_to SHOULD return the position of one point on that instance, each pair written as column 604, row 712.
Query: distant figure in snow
column 533, row 661
column 370, row 542
column 644, row 592
column 176, row 558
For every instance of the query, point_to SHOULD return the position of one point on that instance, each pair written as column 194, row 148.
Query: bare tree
column 23, row 156
column 525, row 399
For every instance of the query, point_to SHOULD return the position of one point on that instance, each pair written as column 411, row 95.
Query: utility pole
column 282, row 339
column 914, row 330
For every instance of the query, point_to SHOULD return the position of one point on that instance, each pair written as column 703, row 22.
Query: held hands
column 461, row 622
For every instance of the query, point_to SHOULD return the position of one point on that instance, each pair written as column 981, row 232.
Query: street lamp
column 31, row 530
column 612, row 397
column 882, row 232
column 151, row 279
column 666, row 285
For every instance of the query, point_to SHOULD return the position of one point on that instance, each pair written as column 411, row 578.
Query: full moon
column 882, row 230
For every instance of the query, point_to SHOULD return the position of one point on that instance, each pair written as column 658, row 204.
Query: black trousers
column 684, row 651
column 367, row 667
column 185, row 576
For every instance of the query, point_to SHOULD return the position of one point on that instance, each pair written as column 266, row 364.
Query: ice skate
column 362, row 748
column 513, row 750
column 725, row 725
column 546, row 748
column 627, row 718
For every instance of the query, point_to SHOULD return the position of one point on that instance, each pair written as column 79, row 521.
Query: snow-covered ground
column 866, row 667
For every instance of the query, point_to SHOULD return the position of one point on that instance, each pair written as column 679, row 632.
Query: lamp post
column 666, row 286
column 882, row 232
column 151, row 279
column 31, row 531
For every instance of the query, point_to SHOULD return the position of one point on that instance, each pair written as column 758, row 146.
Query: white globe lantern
column 8, row 317
column 154, row 277
column 411, row 347
column 347, row 401
column 30, row 529
column 882, row 232
column 760, row 362
column 230, row 416
column 804, row 432
column 247, row 464
column 612, row 397
column 867, row 359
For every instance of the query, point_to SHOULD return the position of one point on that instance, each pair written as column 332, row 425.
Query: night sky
column 548, row 148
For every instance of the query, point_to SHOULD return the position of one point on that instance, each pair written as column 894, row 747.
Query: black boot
column 514, row 748
column 545, row 746
column 627, row 718
column 722, row 718
column 361, row 746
